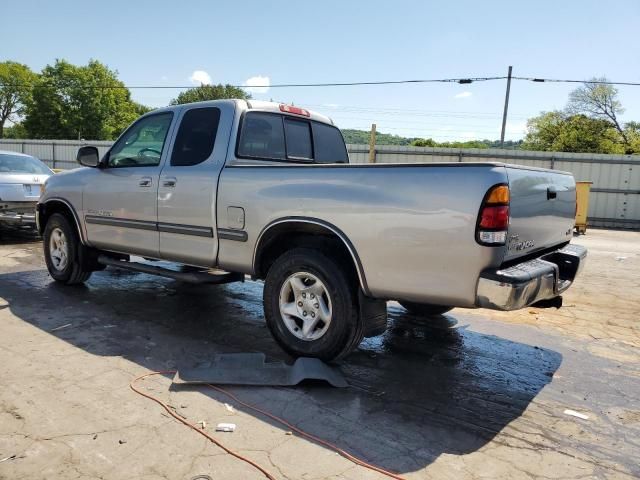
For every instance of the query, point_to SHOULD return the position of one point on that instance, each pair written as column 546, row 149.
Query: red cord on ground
column 191, row 425
column 293, row 428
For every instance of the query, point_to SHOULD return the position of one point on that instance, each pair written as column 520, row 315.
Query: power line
column 420, row 124
column 334, row 84
column 431, row 116
column 393, row 110
column 418, row 130
column 557, row 80
column 429, row 135
column 279, row 85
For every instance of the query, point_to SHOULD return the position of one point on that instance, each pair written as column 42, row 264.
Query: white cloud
column 331, row 105
column 258, row 84
column 463, row 95
column 200, row 77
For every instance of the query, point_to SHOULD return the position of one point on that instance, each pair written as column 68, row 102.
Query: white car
column 21, row 178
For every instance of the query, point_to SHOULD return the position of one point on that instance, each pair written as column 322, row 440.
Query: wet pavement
column 472, row 394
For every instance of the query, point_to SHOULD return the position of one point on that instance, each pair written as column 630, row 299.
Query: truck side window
column 262, row 136
column 298, row 137
column 196, row 136
column 142, row 144
column 328, row 144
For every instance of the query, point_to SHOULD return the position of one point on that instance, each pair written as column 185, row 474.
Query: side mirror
column 88, row 156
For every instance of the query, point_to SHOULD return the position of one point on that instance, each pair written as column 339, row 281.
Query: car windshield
column 22, row 164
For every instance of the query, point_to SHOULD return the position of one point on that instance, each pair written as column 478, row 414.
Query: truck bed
column 423, row 214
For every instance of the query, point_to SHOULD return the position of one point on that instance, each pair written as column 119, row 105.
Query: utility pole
column 506, row 107
column 372, row 144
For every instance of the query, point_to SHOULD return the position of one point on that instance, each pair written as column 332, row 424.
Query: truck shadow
column 418, row 391
column 11, row 235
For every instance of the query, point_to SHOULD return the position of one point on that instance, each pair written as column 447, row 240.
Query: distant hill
column 362, row 136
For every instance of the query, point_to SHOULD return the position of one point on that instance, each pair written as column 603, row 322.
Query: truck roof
column 275, row 107
column 258, row 105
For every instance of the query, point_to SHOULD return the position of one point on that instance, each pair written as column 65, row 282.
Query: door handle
column 145, row 182
column 169, row 182
column 551, row 193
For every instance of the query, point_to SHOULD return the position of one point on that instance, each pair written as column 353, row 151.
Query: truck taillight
column 294, row 110
column 493, row 219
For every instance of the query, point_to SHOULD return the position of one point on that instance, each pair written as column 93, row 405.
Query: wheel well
column 288, row 235
column 55, row 206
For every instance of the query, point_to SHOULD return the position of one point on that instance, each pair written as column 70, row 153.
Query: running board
column 189, row 277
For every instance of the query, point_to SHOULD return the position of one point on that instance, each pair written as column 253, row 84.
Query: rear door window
column 196, row 136
column 329, row 144
column 262, row 136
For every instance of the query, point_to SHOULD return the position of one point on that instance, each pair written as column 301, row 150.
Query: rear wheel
column 311, row 306
column 425, row 309
column 62, row 251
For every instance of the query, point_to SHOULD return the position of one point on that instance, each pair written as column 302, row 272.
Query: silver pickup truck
column 232, row 188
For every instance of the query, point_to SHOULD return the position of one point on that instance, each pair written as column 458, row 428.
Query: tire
column 425, row 309
column 307, row 282
column 63, row 252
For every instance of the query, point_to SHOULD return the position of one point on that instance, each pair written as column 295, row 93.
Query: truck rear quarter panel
column 412, row 226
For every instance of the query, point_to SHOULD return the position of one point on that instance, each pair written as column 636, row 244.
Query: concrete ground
column 474, row 394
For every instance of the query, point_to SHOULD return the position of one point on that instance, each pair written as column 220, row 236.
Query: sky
column 264, row 43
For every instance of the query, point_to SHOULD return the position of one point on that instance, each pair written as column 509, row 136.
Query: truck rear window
column 298, row 138
column 329, row 144
column 262, row 136
column 271, row 136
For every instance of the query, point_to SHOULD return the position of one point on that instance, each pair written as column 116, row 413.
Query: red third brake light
column 493, row 219
column 294, row 110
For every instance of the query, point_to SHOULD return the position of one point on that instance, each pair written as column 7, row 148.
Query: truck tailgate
column 542, row 210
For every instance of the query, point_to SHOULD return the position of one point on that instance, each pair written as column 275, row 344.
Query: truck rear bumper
column 532, row 281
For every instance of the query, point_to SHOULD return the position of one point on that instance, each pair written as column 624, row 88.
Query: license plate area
column 31, row 190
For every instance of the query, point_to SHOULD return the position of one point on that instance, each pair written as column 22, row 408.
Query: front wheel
column 425, row 309
column 62, row 251
column 310, row 306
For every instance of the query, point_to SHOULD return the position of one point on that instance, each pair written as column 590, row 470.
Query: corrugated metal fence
column 614, row 201
column 55, row 153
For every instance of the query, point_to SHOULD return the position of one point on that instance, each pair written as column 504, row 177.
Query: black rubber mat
column 252, row 369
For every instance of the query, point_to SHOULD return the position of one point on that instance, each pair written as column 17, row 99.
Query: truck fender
column 60, row 205
column 332, row 229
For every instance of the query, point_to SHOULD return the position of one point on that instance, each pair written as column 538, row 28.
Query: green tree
column 362, row 136
column 465, row 144
column 562, row 132
column 72, row 101
column 424, row 142
column 210, row 92
column 632, row 130
column 429, row 142
column 16, row 80
column 16, row 130
column 543, row 130
column 598, row 100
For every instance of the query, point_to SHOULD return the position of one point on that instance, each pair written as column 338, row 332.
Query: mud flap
column 373, row 315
